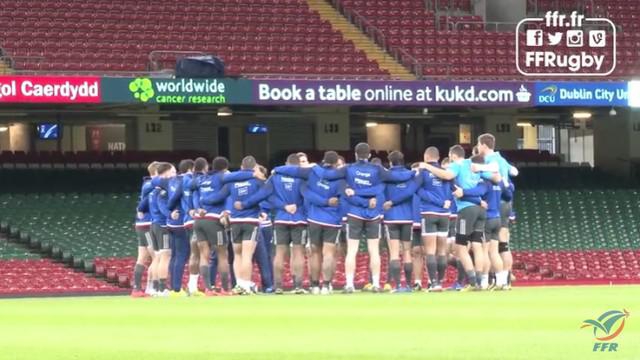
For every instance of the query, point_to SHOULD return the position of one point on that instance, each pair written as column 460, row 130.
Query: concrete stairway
column 361, row 41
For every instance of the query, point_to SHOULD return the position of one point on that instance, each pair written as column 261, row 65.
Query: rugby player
column 486, row 147
column 246, row 193
column 142, row 226
column 435, row 196
column 290, row 226
column 398, row 220
column 160, row 237
column 200, row 169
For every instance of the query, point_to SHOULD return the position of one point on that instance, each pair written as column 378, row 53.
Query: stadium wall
column 611, row 143
column 634, row 132
column 332, row 130
column 385, row 137
column 154, row 134
column 19, row 137
column 505, row 129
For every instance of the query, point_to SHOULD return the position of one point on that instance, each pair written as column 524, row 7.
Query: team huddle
column 454, row 212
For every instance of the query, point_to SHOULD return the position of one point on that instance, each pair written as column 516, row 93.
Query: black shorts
column 505, row 213
column 471, row 219
column 435, row 225
column 244, row 232
column 290, row 234
column 343, row 234
column 144, row 237
column 358, row 228
column 191, row 235
column 400, row 232
column 211, row 231
column 492, row 229
column 452, row 227
column 160, row 238
column 319, row 234
column 416, row 238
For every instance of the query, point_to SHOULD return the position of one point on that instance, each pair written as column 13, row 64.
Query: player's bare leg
column 278, row 266
column 223, row 267
column 328, row 267
column 429, row 242
column 417, row 255
column 350, row 263
column 394, row 262
column 373, row 246
column 297, row 265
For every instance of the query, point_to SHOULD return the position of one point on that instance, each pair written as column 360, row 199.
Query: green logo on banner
column 142, row 89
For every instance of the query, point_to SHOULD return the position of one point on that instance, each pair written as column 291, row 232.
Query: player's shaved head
column 330, row 158
column 185, row 166
column 220, row 163
column 431, row 154
column 248, row 162
column 456, row 151
column 363, row 151
column 341, row 161
column 446, row 161
column 153, row 168
column 396, row 158
column 293, row 159
column 376, row 161
column 475, row 150
column 200, row 165
column 415, row 165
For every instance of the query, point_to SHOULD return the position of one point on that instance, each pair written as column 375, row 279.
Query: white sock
column 484, row 281
column 248, row 284
column 244, row 284
column 417, row 282
column 192, row 284
column 376, row 280
column 501, row 278
column 350, row 280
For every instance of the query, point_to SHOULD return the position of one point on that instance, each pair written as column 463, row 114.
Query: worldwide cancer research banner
column 420, row 93
column 145, row 90
column 50, row 89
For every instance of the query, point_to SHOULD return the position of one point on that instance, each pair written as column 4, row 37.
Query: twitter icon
column 554, row 39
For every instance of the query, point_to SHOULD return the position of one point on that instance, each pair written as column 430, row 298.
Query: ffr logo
column 565, row 45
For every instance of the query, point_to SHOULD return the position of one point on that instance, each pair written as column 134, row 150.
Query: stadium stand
column 465, row 46
column 252, row 37
column 281, row 37
column 22, row 271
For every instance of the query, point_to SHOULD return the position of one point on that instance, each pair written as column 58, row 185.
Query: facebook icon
column 534, row 37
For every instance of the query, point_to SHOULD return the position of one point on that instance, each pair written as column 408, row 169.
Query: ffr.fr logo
column 565, row 45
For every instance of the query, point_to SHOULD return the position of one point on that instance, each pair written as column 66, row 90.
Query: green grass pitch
column 525, row 323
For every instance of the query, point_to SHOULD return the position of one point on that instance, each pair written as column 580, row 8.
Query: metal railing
column 495, row 26
column 374, row 33
column 581, row 6
column 99, row 73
